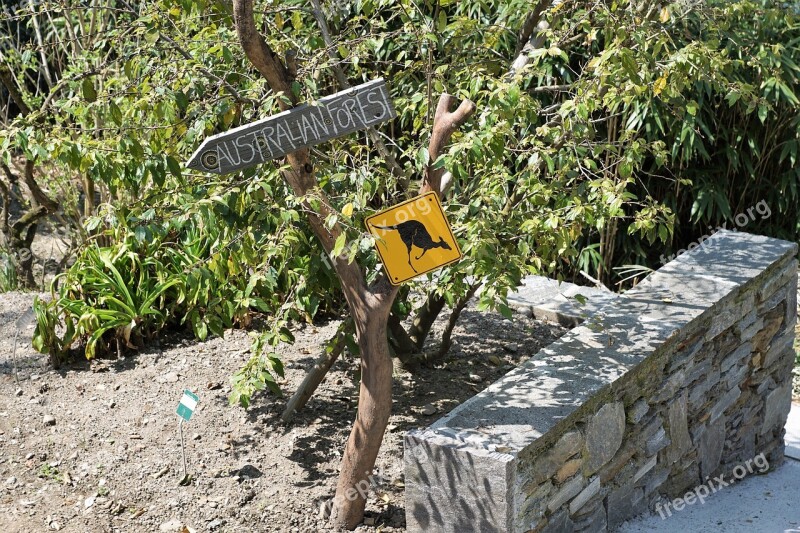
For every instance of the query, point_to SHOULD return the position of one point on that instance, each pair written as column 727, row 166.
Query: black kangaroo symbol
column 414, row 233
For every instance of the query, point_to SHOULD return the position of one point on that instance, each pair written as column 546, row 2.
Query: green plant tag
column 188, row 403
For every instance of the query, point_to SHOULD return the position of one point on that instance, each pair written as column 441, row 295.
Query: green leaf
column 89, row 92
column 151, row 37
column 200, row 329
column 763, row 113
column 174, row 166
column 423, row 157
column 338, row 246
column 141, row 233
column 182, row 100
column 441, row 22
column 116, row 113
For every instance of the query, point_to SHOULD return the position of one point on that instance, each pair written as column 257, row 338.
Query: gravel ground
column 111, row 459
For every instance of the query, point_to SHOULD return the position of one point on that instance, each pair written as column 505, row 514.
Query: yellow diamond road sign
column 414, row 238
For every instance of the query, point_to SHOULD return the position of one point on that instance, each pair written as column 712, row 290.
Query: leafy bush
column 691, row 107
column 191, row 268
column 632, row 129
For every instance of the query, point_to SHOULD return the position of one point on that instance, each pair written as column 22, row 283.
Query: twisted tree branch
column 445, row 123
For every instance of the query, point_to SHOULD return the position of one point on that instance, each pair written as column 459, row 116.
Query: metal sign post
column 185, row 410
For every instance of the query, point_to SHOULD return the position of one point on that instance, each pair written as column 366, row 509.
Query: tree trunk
column 425, row 318
column 374, row 408
column 369, row 305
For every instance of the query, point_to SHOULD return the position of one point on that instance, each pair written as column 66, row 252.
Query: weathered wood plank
column 306, row 125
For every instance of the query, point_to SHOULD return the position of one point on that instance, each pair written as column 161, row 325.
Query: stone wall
column 682, row 379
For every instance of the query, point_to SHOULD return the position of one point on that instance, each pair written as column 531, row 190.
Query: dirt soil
column 95, row 447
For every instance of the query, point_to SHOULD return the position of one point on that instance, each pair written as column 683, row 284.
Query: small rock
column 170, row 377
column 88, row 502
column 29, row 456
column 172, row 525
column 55, row 526
column 11, row 480
column 369, row 521
column 429, row 410
column 18, row 392
column 112, row 404
column 49, row 420
column 196, row 436
column 496, row 361
column 475, row 378
column 214, row 524
column 213, row 385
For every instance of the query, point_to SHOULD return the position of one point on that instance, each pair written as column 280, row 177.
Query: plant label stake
column 414, row 238
column 306, row 125
column 185, row 410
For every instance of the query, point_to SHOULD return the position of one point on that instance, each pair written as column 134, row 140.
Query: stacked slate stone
column 685, row 378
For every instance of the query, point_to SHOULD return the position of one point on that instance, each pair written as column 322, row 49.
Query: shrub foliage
column 632, row 129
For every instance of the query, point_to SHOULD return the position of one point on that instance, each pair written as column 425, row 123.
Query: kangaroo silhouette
column 414, row 233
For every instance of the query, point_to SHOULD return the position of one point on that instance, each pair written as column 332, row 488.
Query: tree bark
column 530, row 24
column 425, row 318
column 445, row 123
column 374, row 408
column 369, row 306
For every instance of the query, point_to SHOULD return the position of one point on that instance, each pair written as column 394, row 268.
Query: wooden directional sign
column 306, row 125
column 414, row 238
